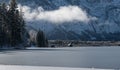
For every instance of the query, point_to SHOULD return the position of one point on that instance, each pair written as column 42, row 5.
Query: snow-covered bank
column 15, row 67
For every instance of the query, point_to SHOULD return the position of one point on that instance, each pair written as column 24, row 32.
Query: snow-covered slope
column 74, row 19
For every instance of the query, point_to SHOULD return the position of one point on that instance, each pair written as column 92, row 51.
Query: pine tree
column 3, row 10
column 12, row 25
column 4, row 7
column 0, row 28
column 40, row 39
column 17, row 24
column 13, row 5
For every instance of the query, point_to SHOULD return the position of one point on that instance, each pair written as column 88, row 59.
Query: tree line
column 12, row 26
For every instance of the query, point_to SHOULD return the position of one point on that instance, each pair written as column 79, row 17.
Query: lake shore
column 70, row 43
column 67, row 43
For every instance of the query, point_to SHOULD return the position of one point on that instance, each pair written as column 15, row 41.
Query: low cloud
column 61, row 15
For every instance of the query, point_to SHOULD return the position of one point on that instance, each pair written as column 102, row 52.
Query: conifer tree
column 40, row 39
column 12, row 25
column 16, row 23
column 3, row 10
column 4, row 7
column 13, row 5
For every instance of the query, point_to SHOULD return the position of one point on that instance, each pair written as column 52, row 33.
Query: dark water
column 104, row 57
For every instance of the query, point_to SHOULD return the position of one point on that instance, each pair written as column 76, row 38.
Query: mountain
column 103, row 18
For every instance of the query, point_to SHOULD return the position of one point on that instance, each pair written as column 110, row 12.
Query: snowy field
column 13, row 67
column 93, row 58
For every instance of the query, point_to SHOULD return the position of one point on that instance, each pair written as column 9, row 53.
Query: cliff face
column 105, row 27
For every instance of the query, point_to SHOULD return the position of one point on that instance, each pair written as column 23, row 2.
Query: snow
column 77, row 57
column 15, row 67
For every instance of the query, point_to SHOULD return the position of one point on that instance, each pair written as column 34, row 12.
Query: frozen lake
column 91, row 57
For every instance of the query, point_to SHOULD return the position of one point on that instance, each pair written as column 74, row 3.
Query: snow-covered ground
column 14, row 67
column 77, row 57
